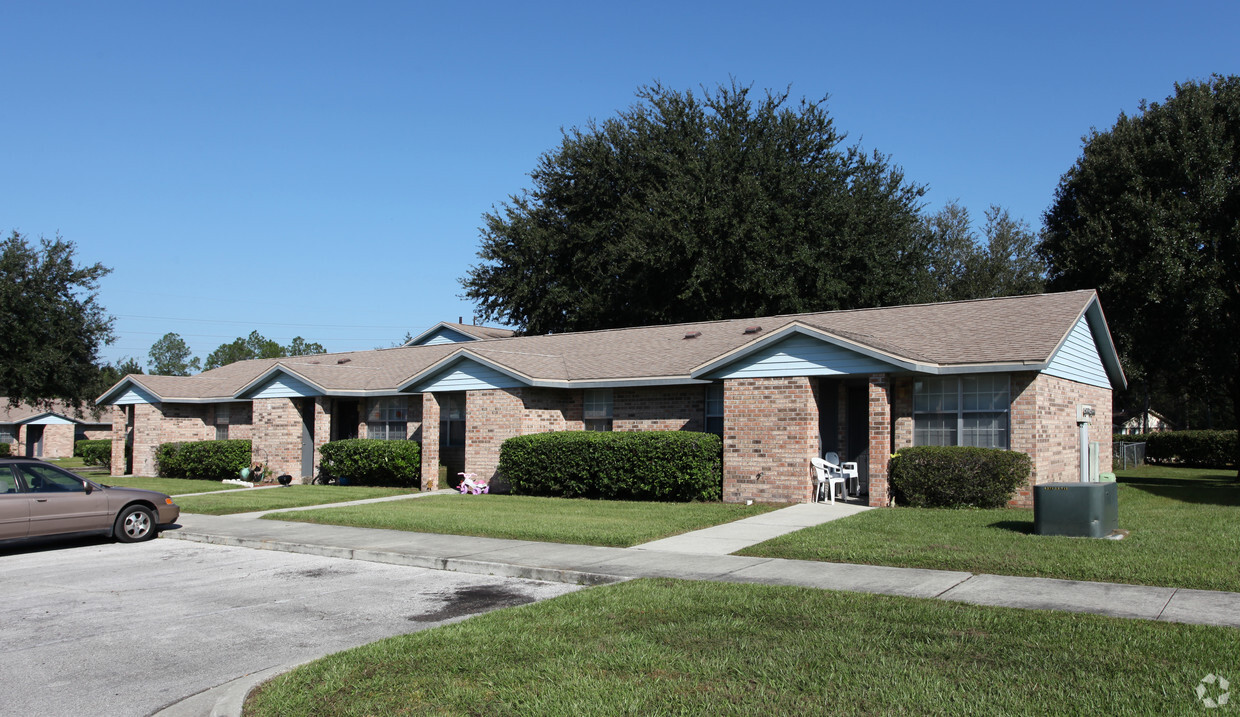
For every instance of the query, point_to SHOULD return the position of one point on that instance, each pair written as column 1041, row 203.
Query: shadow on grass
column 1220, row 480
column 1228, row 495
column 1016, row 526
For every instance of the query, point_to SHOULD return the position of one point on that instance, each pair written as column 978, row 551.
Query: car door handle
column 40, row 500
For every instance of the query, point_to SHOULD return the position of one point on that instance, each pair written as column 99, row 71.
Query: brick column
column 770, row 433
column 880, row 437
column 322, row 430
column 430, row 442
column 120, row 418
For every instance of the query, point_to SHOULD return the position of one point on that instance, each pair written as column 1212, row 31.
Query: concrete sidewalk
column 698, row 556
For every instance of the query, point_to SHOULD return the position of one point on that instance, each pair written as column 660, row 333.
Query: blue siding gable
column 444, row 335
column 802, row 355
column 285, row 386
column 1078, row 359
column 466, row 375
column 133, row 395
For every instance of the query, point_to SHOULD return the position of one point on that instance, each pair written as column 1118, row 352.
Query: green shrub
column 640, row 465
column 4, row 448
column 957, row 476
column 211, row 460
column 1197, row 449
column 94, row 452
column 365, row 461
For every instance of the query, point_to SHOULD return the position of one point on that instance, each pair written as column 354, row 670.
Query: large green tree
column 171, row 356
column 1150, row 216
column 960, row 264
column 256, row 346
column 51, row 322
column 687, row 207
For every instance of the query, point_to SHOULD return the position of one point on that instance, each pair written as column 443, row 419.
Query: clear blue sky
column 321, row 169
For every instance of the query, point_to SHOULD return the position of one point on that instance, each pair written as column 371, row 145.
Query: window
column 221, row 422
column 714, row 409
column 452, row 420
column 388, row 419
column 961, row 411
column 596, row 409
column 8, row 434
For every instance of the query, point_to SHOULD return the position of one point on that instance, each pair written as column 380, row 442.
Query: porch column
column 322, row 430
column 430, row 442
column 120, row 420
column 880, row 437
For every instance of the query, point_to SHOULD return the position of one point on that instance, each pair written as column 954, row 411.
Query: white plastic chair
column 852, row 483
column 829, row 476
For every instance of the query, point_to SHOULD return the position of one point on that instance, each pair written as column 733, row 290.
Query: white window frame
column 947, row 413
column 388, row 419
column 597, row 405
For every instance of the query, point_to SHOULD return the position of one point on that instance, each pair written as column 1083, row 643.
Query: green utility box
column 1082, row 510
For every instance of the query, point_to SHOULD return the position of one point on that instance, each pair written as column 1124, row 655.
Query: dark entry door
column 34, row 441
column 858, row 412
column 344, row 422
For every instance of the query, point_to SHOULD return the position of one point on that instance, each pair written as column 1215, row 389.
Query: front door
column 34, row 441
column 344, row 420
column 858, row 427
column 307, row 437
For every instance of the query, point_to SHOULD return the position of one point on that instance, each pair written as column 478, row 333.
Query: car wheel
column 134, row 524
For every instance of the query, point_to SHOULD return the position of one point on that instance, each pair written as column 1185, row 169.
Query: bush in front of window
column 370, row 461
column 208, row 460
column 94, row 452
column 4, row 449
column 957, row 476
column 630, row 465
column 1196, row 449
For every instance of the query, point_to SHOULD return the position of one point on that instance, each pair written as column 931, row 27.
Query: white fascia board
column 264, row 377
column 796, row 327
column 451, row 360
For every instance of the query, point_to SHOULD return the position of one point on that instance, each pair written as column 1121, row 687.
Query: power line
column 263, row 323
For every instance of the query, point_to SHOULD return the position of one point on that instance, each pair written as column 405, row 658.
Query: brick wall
column 58, row 440
column 491, row 417
column 1057, row 435
column 277, row 435
column 666, row 408
column 430, row 442
column 550, row 409
column 770, row 432
column 880, row 437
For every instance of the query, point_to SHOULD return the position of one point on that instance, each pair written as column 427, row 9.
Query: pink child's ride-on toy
column 469, row 485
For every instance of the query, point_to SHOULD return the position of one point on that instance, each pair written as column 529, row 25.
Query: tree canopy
column 171, row 356
column 256, row 346
column 959, row 264
column 51, row 323
column 687, row 207
column 1150, row 216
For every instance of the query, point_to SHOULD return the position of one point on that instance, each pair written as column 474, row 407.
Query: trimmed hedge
column 212, row 460
column 366, row 461
column 631, row 465
column 957, row 476
column 96, row 452
column 1198, row 449
column 4, row 448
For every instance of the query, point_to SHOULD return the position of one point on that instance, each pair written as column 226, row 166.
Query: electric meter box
column 1081, row 510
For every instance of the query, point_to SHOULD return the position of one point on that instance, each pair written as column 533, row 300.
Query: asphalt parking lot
column 97, row 628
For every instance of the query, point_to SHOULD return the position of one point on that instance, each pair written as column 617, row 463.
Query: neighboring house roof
column 1134, row 417
column 446, row 332
column 1003, row 334
column 26, row 413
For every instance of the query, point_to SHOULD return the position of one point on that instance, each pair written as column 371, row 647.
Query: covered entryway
column 844, row 424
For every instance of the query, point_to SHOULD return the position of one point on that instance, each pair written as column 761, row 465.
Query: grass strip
column 293, row 496
column 171, row 486
column 689, row 648
column 1184, row 532
column 554, row 520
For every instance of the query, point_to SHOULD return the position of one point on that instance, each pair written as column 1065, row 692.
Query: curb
column 459, row 565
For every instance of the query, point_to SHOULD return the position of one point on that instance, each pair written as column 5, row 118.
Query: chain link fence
column 1127, row 455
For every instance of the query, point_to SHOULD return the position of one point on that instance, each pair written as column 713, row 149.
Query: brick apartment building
column 1007, row 373
column 50, row 431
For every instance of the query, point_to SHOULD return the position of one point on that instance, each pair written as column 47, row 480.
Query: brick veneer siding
column 277, row 435
column 770, row 432
column 430, row 442
column 668, row 408
column 1044, row 426
column 880, row 437
column 491, row 417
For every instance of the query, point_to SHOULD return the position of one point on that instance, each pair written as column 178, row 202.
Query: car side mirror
column 88, row 486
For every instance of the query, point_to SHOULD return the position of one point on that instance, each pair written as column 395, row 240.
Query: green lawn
column 555, row 520
column 171, row 486
column 1184, row 532
column 676, row 647
column 293, row 496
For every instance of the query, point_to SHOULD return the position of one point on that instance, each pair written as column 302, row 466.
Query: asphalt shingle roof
column 987, row 331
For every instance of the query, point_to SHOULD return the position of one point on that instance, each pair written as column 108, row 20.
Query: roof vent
column 752, row 329
column 693, row 334
column 343, row 360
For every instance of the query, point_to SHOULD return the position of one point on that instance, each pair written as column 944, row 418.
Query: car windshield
column 46, row 479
